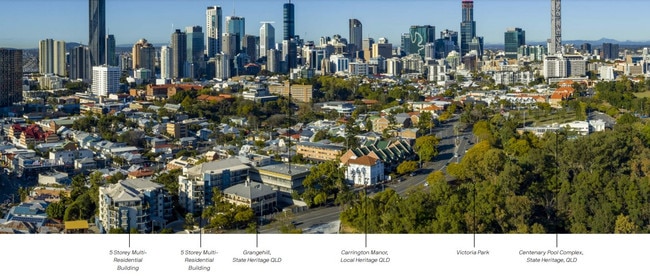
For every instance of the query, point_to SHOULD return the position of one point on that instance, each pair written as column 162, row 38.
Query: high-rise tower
column 111, row 59
column 97, row 31
column 213, row 30
column 179, row 50
column 236, row 25
column 51, row 57
column 513, row 38
column 356, row 34
column 467, row 26
column 267, row 38
column 289, row 34
column 555, row 46
column 11, row 76
column 420, row 36
column 289, row 26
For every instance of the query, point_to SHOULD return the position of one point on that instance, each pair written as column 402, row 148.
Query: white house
column 364, row 170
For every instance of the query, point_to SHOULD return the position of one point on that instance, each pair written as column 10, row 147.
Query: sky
column 24, row 22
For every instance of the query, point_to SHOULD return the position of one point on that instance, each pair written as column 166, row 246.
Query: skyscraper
column 356, row 35
column 236, row 25
column 179, row 49
column 250, row 47
column 288, row 23
column 555, row 45
column 513, row 39
column 106, row 80
column 289, row 28
column 405, row 43
column 80, row 63
column 144, row 55
column 609, row 51
column 420, row 36
column 467, row 26
column 166, row 62
column 97, row 31
column 229, row 44
column 213, row 30
column 222, row 66
column 267, row 38
column 449, row 35
column 195, row 50
column 11, row 76
column 111, row 59
column 51, row 57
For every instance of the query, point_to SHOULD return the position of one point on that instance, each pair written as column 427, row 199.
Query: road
column 446, row 154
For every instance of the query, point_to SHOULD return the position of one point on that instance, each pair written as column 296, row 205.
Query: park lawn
column 645, row 94
column 554, row 118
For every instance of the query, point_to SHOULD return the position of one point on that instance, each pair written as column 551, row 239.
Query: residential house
column 53, row 178
column 379, row 124
column 403, row 120
column 69, row 156
column 364, row 170
column 390, row 152
column 34, row 134
column 32, row 212
column 85, row 164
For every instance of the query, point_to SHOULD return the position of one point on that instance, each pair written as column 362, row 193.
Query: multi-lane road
column 453, row 144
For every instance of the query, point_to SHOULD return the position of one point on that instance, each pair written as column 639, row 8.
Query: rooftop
column 284, row 169
column 249, row 190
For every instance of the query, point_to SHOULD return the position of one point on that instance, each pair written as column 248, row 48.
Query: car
column 413, row 174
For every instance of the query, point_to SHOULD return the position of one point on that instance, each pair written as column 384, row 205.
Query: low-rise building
column 284, row 178
column 259, row 197
column 319, row 151
column 197, row 184
column 364, row 171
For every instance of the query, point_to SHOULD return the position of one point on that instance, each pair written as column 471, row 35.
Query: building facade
column 179, row 51
column 134, row 204
column 213, row 30
column 356, row 35
column 420, row 36
column 267, row 38
column 144, row 55
column 97, row 31
column 364, row 171
column 11, row 76
column 51, row 57
column 198, row 183
column 284, row 178
column 106, row 80
column 261, row 198
column 513, row 39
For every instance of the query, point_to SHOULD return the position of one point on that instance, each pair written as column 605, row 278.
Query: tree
column 426, row 147
column 117, row 230
column 55, row 210
column 189, row 221
column 624, row 225
column 407, row 167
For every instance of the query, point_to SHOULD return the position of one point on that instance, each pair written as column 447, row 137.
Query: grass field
column 552, row 118
column 645, row 94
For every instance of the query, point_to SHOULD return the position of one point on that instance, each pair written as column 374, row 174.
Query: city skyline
column 582, row 19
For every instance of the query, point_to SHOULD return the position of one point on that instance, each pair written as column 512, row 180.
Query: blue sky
column 23, row 25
